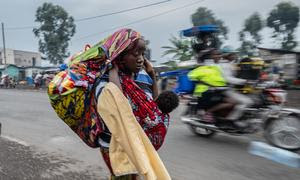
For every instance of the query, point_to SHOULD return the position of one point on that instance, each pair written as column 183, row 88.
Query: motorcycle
column 281, row 126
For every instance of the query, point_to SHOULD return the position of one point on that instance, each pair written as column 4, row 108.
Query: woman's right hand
column 149, row 68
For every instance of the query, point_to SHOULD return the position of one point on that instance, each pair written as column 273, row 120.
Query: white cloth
column 229, row 73
column 243, row 102
column 38, row 78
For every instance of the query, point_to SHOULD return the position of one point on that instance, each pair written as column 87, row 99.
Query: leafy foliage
column 55, row 30
column 284, row 19
column 171, row 64
column 204, row 16
column 180, row 49
column 249, row 35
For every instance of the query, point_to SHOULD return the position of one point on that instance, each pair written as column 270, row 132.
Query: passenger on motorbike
column 228, row 70
column 210, row 84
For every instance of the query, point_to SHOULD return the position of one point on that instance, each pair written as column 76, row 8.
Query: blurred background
column 38, row 39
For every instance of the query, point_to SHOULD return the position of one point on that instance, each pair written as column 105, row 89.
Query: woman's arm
column 151, row 72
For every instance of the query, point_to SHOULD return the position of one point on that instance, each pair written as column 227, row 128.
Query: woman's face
column 133, row 60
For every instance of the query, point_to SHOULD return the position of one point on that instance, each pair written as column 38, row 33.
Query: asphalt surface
column 35, row 144
column 22, row 162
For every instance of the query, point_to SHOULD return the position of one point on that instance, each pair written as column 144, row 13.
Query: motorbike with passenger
column 281, row 126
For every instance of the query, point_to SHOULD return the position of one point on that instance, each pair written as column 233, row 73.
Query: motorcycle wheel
column 284, row 133
column 203, row 132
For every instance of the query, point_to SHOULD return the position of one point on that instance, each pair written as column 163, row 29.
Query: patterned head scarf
column 109, row 48
column 85, row 67
column 118, row 42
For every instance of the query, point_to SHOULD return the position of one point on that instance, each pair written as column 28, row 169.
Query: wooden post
column 3, row 38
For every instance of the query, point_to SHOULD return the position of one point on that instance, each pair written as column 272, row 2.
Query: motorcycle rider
column 228, row 70
column 210, row 84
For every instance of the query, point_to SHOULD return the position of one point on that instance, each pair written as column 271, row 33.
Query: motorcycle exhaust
column 197, row 123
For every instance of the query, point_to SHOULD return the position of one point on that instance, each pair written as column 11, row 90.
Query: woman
column 119, row 60
column 129, row 66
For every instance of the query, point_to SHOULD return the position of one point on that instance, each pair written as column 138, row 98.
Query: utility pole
column 3, row 38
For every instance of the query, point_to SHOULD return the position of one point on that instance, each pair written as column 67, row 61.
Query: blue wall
column 12, row 71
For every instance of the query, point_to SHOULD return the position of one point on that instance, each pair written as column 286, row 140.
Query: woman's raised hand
column 149, row 68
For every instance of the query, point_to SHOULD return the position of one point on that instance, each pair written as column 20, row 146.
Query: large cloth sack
column 71, row 92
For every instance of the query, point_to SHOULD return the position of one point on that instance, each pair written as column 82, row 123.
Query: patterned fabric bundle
column 85, row 67
column 71, row 91
column 151, row 119
column 72, row 95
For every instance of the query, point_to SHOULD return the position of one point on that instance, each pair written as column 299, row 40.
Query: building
column 287, row 61
column 25, row 73
column 21, row 58
column 20, row 65
column 11, row 70
column 29, row 72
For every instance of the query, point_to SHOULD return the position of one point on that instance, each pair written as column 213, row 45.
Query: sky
column 21, row 13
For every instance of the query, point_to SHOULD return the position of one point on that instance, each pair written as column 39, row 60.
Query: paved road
column 23, row 162
column 47, row 149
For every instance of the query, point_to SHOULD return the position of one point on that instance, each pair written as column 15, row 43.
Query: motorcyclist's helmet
column 227, row 50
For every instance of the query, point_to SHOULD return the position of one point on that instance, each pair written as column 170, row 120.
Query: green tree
column 249, row 35
column 204, row 16
column 284, row 19
column 55, row 30
column 181, row 49
column 171, row 64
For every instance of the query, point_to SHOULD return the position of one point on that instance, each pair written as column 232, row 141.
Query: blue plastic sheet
column 194, row 31
column 184, row 85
